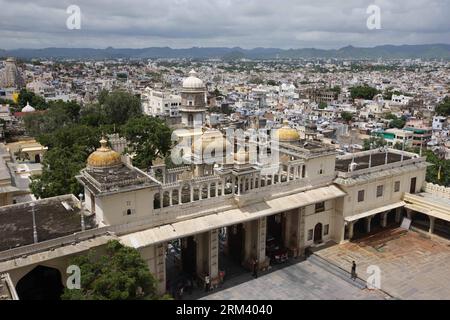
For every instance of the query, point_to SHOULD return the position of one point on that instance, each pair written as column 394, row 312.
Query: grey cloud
column 250, row 23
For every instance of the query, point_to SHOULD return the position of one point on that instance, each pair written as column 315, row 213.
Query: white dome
column 192, row 82
column 28, row 108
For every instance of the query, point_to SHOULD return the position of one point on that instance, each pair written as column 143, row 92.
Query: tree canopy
column 346, row 116
column 443, row 109
column 363, row 92
column 119, row 274
column 374, row 143
column 33, row 99
column 148, row 138
column 71, row 133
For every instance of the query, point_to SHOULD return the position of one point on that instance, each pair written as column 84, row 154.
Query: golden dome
column 287, row 134
column 104, row 157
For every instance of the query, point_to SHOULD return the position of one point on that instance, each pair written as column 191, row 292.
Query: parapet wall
column 437, row 190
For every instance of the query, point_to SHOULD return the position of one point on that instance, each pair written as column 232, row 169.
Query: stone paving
column 413, row 266
column 298, row 281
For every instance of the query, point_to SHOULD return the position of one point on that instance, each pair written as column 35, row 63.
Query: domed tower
column 193, row 101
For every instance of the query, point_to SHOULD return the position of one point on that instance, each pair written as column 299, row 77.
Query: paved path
column 412, row 265
column 299, row 281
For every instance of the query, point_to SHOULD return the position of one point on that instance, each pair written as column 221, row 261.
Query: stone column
column 432, row 221
column 208, row 254
column 179, row 196
column 384, row 216
column 155, row 257
column 170, row 198
column 351, row 230
column 192, row 192
column 398, row 215
column 368, row 221
column 209, row 190
column 409, row 214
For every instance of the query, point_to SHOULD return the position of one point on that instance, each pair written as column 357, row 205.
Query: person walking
column 255, row 268
column 207, row 282
column 354, row 276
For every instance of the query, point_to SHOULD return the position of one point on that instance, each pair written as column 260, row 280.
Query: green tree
column 363, row 92
column 116, row 107
column 119, row 274
column 322, row 105
column 443, row 109
column 374, row 143
column 148, row 138
column 60, row 166
column 346, row 116
column 438, row 163
column 33, row 99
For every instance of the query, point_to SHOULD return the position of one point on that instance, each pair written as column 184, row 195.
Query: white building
column 160, row 103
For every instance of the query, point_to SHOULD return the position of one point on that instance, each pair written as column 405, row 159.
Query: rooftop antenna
column 35, row 236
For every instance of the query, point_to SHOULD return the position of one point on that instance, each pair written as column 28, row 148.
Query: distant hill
column 427, row 51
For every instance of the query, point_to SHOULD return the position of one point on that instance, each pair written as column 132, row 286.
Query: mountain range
column 426, row 51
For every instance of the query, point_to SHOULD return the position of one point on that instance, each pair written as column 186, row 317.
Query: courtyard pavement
column 412, row 265
column 296, row 281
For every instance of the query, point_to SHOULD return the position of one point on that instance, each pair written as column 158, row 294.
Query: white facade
column 159, row 103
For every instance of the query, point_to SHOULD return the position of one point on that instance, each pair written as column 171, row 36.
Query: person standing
column 255, row 268
column 207, row 282
column 354, row 276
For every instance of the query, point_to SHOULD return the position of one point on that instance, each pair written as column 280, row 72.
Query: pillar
column 409, row 214
column 351, row 226
column 368, row 221
column 384, row 219
column 255, row 241
column 208, row 254
column 432, row 220
column 398, row 215
column 192, row 193
column 179, row 195
column 170, row 198
column 155, row 257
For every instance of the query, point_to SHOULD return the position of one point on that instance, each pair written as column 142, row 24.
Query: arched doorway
column 41, row 283
column 318, row 233
column 37, row 158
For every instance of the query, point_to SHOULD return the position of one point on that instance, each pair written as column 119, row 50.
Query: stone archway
column 41, row 283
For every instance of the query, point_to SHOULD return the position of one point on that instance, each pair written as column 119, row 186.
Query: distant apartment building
column 397, row 137
column 160, row 103
column 401, row 99
column 422, row 132
column 321, row 95
column 439, row 123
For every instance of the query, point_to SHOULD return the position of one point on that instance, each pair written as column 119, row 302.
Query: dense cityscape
column 225, row 175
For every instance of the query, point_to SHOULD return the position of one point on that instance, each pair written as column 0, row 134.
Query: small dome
column 104, row 157
column 28, row 108
column 287, row 134
column 192, row 82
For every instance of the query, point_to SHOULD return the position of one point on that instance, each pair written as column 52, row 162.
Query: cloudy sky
column 244, row 23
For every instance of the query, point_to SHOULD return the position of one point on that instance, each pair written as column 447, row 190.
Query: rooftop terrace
column 364, row 159
column 55, row 217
